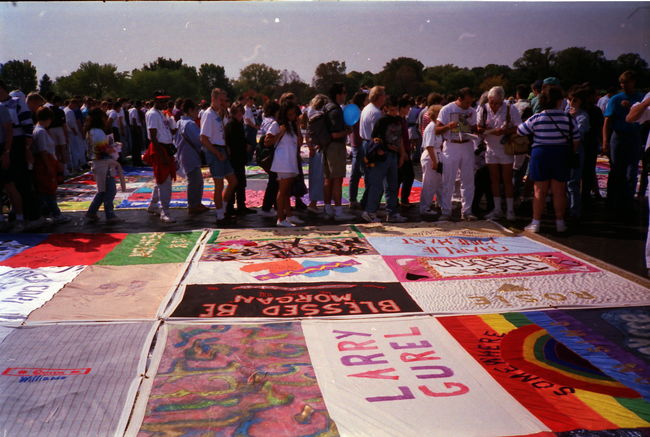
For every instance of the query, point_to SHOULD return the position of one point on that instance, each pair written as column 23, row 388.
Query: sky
column 57, row 36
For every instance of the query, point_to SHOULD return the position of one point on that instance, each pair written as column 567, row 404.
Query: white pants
column 431, row 181
column 77, row 150
column 163, row 193
column 457, row 156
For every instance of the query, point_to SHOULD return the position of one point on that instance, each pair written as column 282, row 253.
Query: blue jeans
column 50, row 207
column 194, row 188
column 358, row 169
column 382, row 177
column 625, row 153
column 105, row 197
column 573, row 187
column 316, row 181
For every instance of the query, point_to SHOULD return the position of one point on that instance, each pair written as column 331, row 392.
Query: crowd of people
column 496, row 149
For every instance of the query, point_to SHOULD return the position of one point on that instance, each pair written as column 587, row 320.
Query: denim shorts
column 219, row 169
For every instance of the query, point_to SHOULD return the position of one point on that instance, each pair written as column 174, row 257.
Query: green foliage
column 46, row 85
column 176, row 83
column 452, row 82
column 328, row 73
column 402, row 75
column 92, row 79
column 535, row 64
column 20, row 75
column 258, row 77
column 166, row 64
column 290, row 82
column 213, row 76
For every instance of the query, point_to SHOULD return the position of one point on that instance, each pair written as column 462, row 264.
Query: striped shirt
column 21, row 117
column 544, row 130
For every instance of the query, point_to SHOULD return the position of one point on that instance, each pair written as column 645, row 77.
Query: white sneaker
column 269, row 213
column 166, row 219
column 153, row 210
column 295, row 220
column 284, row 224
column 533, row 227
column 329, row 211
column 511, row 216
column 444, row 218
column 495, row 214
column 370, row 217
column 341, row 216
column 396, row 218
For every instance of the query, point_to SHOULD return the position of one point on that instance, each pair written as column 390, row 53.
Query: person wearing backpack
column 335, row 153
column 316, row 177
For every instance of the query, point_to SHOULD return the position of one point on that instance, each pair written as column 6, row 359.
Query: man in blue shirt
column 622, row 142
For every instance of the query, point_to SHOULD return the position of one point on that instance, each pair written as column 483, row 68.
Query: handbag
column 514, row 144
column 573, row 158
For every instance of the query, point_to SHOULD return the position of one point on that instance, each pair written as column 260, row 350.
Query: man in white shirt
column 76, row 144
column 640, row 113
column 604, row 100
column 369, row 116
column 159, row 133
column 216, row 154
column 250, row 126
column 136, row 119
column 456, row 122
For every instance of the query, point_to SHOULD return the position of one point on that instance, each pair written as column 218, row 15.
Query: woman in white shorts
column 496, row 119
column 283, row 134
column 430, row 163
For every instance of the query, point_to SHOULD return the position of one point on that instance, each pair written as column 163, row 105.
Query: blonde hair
column 319, row 101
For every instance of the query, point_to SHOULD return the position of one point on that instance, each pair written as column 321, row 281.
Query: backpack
column 318, row 128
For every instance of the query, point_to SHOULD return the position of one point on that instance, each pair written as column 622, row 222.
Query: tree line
column 401, row 75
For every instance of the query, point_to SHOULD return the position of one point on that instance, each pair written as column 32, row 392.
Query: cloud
column 256, row 52
column 466, row 35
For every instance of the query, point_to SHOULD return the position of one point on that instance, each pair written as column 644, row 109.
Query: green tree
column 492, row 81
column 402, row 75
column 46, row 85
column 258, row 77
column 631, row 61
column 213, row 76
column 535, row 64
column 452, row 82
column 290, row 82
column 19, row 75
column 177, row 83
column 576, row 65
column 92, row 79
column 328, row 73
column 439, row 71
column 165, row 64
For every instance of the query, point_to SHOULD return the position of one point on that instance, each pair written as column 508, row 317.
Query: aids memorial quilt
column 254, row 380
column 23, row 290
column 579, row 369
column 71, row 379
column 284, row 300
